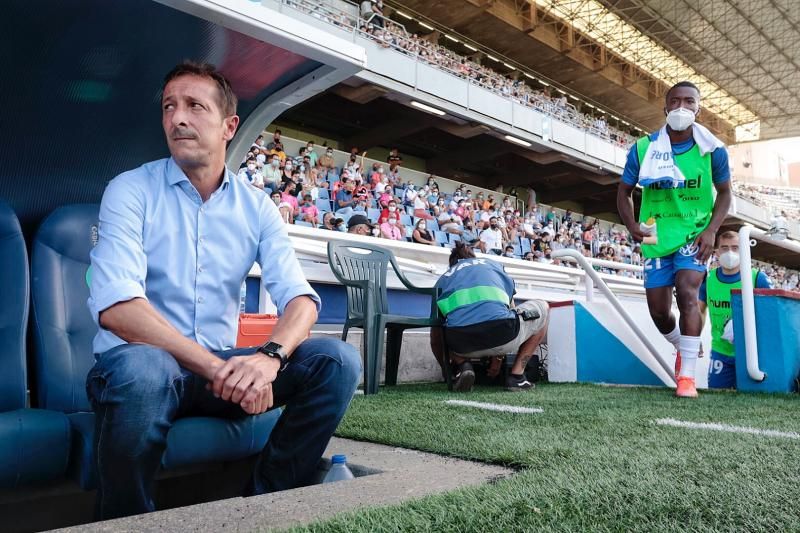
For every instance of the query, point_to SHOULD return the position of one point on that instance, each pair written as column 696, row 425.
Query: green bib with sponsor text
column 718, row 301
column 681, row 214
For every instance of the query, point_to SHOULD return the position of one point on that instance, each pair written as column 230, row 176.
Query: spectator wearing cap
column 390, row 229
column 330, row 222
column 359, row 225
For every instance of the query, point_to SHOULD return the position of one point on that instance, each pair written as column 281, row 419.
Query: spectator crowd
column 374, row 199
column 372, row 23
column 781, row 201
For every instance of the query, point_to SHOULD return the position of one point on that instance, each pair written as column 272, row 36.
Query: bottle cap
column 339, row 459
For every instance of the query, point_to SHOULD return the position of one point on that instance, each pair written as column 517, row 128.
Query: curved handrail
column 746, row 233
column 615, row 303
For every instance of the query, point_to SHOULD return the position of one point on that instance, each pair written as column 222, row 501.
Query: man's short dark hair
column 681, row 84
column 227, row 99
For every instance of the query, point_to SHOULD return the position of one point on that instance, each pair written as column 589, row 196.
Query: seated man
column 480, row 319
column 177, row 239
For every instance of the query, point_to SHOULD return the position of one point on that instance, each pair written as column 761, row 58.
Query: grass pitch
column 593, row 461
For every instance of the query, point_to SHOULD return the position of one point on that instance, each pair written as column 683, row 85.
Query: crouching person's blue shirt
column 158, row 240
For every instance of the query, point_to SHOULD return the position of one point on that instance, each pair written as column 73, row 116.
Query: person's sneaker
column 678, row 364
column 686, row 388
column 464, row 377
column 518, row 383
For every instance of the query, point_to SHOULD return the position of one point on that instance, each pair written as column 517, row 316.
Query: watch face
column 273, row 347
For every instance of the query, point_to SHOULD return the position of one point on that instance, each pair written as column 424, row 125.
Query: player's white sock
column 690, row 348
column 674, row 336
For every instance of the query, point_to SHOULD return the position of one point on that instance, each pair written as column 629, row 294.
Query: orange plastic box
column 254, row 329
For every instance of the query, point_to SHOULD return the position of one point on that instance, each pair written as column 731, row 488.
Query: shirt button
column 199, row 268
column 198, row 330
column 200, row 299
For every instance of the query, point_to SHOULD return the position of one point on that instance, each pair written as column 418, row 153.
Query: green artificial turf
column 593, row 461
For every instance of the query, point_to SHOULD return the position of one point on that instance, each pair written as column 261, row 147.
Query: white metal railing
column 593, row 279
column 747, row 238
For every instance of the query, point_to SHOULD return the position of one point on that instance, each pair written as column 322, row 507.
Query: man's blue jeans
column 138, row 391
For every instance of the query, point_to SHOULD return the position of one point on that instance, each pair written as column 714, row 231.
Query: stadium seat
column 373, row 214
column 525, row 244
column 454, row 238
column 34, row 443
column 303, row 223
column 323, row 193
column 441, row 237
column 323, row 205
column 406, row 220
column 362, row 269
column 433, row 225
column 64, row 331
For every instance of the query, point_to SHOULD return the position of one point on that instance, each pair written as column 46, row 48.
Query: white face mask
column 729, row 260
column 392, row 221
column 251, row 167
column 422, row 226
column 392, row 209
column 680, row 119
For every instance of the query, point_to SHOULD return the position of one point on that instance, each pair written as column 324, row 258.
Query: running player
column 676, row 167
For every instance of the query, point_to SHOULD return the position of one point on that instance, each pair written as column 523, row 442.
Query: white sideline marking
column 727, row 428
column 496, row 407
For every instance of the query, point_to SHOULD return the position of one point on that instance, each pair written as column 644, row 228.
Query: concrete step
column 401, row 475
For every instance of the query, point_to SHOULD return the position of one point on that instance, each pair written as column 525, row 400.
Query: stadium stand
column 391, row 34
column 534, row 232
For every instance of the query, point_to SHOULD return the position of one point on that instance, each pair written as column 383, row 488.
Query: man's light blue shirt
column 158, row 240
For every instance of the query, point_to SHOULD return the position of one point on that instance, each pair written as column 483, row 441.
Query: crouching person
column 476, row 298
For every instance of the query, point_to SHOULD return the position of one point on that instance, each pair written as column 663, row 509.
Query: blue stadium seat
column 373, row 214
column 441, row 238
column 324, row 194
column 525, row 245
column 433, row 225
column 454, row 238
column 303, row 223
column 34, row 443
column 64, row 333
column 323, row 205
column 406, row 220
column 517, row 250
column 398, row 192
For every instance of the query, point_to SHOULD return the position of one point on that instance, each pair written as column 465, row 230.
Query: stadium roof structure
column 749, row 49
column 624, row 54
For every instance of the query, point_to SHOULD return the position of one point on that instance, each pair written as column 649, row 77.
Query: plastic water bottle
column 242, row 296
column 650, row 229
column 339, row 470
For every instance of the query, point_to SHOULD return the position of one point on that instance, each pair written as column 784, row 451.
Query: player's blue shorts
column 721, row 371
column 661, row 271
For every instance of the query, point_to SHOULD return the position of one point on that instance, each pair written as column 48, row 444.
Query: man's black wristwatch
column 276, row 351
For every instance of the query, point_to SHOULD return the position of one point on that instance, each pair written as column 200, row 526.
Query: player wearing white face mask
column 715, row 295
column 679, row 168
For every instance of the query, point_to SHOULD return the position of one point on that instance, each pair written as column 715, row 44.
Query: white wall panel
column 527, row 119
column 569, row 136
column 490, row 104
column 440, row 83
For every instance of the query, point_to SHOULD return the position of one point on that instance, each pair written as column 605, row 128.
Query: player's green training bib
column 718, row 301
column 681, row 214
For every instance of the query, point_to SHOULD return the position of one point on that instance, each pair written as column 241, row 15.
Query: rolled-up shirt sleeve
column 118, row 262
column 281, row 274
